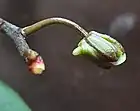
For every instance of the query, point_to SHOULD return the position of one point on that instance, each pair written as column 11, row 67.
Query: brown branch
column 32, row 58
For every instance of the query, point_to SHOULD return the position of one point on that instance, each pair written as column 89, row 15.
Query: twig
column 32, row 58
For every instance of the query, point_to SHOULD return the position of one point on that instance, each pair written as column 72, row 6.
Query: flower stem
column 54, row 20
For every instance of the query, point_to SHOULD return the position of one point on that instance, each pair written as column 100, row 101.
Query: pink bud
column 37, row 65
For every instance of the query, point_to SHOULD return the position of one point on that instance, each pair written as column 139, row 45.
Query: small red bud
column 37, row 65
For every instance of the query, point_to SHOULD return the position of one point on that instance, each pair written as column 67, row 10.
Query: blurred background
column 73, row 83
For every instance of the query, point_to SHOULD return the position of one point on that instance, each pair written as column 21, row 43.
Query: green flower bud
column 104, row 49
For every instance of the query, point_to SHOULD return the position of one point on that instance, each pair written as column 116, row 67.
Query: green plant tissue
column 10, row 100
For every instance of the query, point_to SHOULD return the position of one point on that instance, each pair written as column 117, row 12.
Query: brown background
column 71, row 83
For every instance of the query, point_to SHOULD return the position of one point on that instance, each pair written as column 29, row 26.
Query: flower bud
column 35, row 62
column 102, row 48
column 37, row 66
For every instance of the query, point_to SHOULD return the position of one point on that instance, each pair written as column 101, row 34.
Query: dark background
column 71, row 83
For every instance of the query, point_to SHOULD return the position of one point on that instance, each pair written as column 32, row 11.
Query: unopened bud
column 37, row 66
column 102, row 48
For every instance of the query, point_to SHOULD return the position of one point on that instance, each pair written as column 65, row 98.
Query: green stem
column 55, row 20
